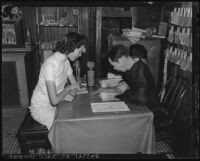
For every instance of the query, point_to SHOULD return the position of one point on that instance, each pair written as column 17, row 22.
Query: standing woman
column 54, row 75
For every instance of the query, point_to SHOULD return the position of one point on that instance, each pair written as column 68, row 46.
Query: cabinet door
column 10, row 89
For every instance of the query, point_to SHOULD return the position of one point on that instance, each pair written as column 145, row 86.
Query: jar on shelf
column 90, row 74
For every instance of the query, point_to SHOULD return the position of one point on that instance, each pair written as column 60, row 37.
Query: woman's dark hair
column 138, row 51
column 72, row 41
column 60, row 46
column 117, row 52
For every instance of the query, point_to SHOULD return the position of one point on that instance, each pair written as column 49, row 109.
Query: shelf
column 170, row 23
column 56, row 25
column 116, row 14
column 179, row 45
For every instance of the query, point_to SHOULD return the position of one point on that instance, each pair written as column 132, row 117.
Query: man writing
column 141, row 88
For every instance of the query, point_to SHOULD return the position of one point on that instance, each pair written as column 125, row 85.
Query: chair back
column 171, row 96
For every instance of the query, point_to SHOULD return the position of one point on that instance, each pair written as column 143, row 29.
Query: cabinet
column 13, row 62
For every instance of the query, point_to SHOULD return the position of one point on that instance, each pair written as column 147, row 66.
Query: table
column 76, row 129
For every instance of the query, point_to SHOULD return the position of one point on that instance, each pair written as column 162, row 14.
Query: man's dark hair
column 117, row 52
column 72, row 41
column 138, row 51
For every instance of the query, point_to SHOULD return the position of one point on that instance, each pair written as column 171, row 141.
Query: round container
column 90, row 77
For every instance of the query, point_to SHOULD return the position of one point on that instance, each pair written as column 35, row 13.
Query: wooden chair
column 171, row 96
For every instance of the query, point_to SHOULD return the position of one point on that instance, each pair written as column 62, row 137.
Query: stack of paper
column 113, row 76
column 109, row 107
column 109, row 82
column 134, row 34
column 108, row 94
column 82, row 90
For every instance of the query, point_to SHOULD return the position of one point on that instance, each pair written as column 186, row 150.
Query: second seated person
column 141, row 88
column 55, row 72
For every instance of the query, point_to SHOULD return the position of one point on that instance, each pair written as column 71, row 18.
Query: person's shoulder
column 141, row 64
column 50, row 63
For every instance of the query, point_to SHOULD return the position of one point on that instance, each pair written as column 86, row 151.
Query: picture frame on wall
column 12, row 34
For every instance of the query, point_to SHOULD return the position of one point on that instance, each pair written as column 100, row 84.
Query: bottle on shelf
column 90, row 74
column 28, row 38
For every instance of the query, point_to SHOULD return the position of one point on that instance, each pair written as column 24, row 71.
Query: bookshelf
column 178, row 63
column 52, row 24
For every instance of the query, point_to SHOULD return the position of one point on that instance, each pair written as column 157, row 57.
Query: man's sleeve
column 137, row 96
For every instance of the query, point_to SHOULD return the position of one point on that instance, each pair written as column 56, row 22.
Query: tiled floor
column 11, row 120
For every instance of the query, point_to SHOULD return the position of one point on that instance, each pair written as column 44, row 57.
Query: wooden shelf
column 57, row 25
column 170, row 23
column 116, row 14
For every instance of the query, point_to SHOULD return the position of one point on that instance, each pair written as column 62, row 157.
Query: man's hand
column 122, row 87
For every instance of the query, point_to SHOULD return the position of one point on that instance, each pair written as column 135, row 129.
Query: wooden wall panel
column 29, row 15
column 10, row 89
column 83, row 20
column 92, row 33
column 98, row 42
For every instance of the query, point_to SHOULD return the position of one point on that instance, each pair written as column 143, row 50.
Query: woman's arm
column 73, row 81
column 53, row 96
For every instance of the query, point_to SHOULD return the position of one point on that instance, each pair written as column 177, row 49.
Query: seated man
column 142, row 90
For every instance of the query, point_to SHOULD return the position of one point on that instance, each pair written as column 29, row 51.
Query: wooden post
column 134, row 11
column 98, row 42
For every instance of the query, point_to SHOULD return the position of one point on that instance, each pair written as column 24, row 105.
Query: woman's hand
column 122, row 87
column 73, row 87
column 73, row 92
column 68, row 97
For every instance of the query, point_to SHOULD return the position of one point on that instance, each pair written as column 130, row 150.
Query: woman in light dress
column 55, row 73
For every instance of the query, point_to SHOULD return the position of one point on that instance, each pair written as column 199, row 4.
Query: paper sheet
column 109, row 107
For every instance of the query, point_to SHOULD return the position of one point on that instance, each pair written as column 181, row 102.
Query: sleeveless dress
column 56, row 68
